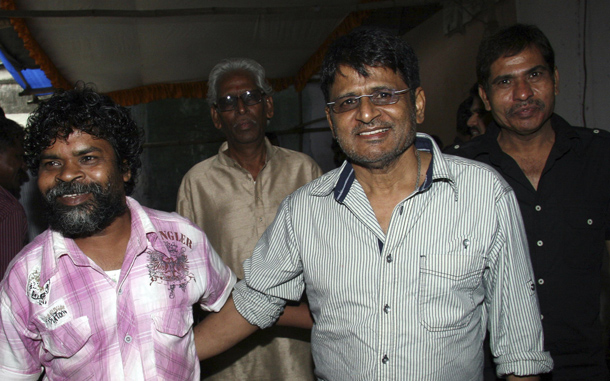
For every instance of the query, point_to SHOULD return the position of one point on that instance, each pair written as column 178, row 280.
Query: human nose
column 472, row 121
column 69, row 172
column 522, row 90
column 241, row 106
column 367, row 111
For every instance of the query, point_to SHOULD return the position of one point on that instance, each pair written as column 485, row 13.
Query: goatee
column 85, row 219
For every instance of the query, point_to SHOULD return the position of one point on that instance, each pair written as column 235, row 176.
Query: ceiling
column 139, row 51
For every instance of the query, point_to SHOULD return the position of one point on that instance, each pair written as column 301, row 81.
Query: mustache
column 535, row 102
column 65, row 188
column 242, row 120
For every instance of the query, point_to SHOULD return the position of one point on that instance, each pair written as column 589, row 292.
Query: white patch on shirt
column 37, row 294
column 56, row 315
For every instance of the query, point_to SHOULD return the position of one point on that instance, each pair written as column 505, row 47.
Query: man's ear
column 215, row 117
column 420, row 105
column 126, row 171
column 330, row 121
column 268, row 106
column 483, row 96
column 556, row 80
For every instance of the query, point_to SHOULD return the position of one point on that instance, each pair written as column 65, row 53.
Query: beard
column 90, row 217
column 383, row 160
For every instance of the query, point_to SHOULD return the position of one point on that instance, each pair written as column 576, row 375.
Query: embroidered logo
column 172, row 270
column 56, row 315
column 37, row 293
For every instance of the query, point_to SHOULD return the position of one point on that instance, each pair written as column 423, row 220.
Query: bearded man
column 107, row 291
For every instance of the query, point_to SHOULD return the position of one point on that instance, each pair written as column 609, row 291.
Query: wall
column 447, row 66
column 580, row 34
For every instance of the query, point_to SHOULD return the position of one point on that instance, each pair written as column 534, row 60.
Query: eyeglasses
column 229, row 102
column 378, row 98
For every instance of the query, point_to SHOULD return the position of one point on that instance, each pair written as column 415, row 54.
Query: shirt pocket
column 446, row 290
column 174, row 346
column 66, row 349
column 582, row 249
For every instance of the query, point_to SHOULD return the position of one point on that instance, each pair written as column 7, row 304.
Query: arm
column 297, row 316
column 220, row 331
column 514, row 317
column 512, row 377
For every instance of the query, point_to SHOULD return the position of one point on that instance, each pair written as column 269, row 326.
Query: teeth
column 71, row 195
column 374, row 132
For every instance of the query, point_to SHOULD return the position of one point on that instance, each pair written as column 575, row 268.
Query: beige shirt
column 234, row 210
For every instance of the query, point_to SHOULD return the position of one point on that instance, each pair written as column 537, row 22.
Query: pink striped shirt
column 13, row 228
column 61, row 311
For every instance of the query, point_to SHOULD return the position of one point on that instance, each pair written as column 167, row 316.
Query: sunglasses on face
column 249, row 98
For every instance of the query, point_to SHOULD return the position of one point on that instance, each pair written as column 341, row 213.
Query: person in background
column 472, row 118
column 407, row 255
column 13, row 221
column 234, row 195
column 561, row 176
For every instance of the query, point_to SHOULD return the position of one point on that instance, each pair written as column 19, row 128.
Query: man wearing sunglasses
column 407, row 256
column 234, row 196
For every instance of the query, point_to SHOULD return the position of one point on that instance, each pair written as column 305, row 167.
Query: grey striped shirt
column 413, row 304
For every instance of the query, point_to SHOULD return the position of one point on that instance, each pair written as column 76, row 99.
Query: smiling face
column 82, row 185
column 245, row 124
column 374, row 136
column 521, row 92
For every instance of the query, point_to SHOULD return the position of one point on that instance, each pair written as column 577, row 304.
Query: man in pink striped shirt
column 107, row 291
column 13, row 222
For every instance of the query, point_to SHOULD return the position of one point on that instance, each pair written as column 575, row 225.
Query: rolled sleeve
column 514, row 315
column 273, row 274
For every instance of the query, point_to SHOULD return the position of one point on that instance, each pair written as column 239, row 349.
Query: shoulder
column 474, row 175
column 471, row 149
column 201, row 168
column 294, row 157
column 161, row 219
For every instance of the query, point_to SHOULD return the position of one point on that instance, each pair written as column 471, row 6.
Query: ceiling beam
column 210, row 11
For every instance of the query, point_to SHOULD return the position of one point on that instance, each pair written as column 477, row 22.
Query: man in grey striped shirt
column 407, row 256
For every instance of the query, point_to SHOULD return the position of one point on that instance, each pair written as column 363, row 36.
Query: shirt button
column 385, row 359
column 456, row 146
column 540, row 281
column 128, row 339
column 596, row 131
column 389, row 258
column 589, row 222
column 120, row 291
column 260, row 219
column 540, row 243
column 466, row 243
column 387, row 309
column 541, row 317
column 538, row 208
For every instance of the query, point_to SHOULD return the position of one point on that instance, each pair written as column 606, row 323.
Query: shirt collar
column 226, row 160
column 143, row 235
column 345, row 175
column 565, row 139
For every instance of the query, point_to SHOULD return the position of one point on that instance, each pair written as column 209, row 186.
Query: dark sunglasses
column 229, row 102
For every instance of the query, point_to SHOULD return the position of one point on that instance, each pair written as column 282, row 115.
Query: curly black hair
column 85, row 110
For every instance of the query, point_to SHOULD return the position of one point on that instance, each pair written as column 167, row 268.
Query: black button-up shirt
column 567, row 221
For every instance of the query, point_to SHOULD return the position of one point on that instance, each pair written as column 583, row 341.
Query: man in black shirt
column 561, row 175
